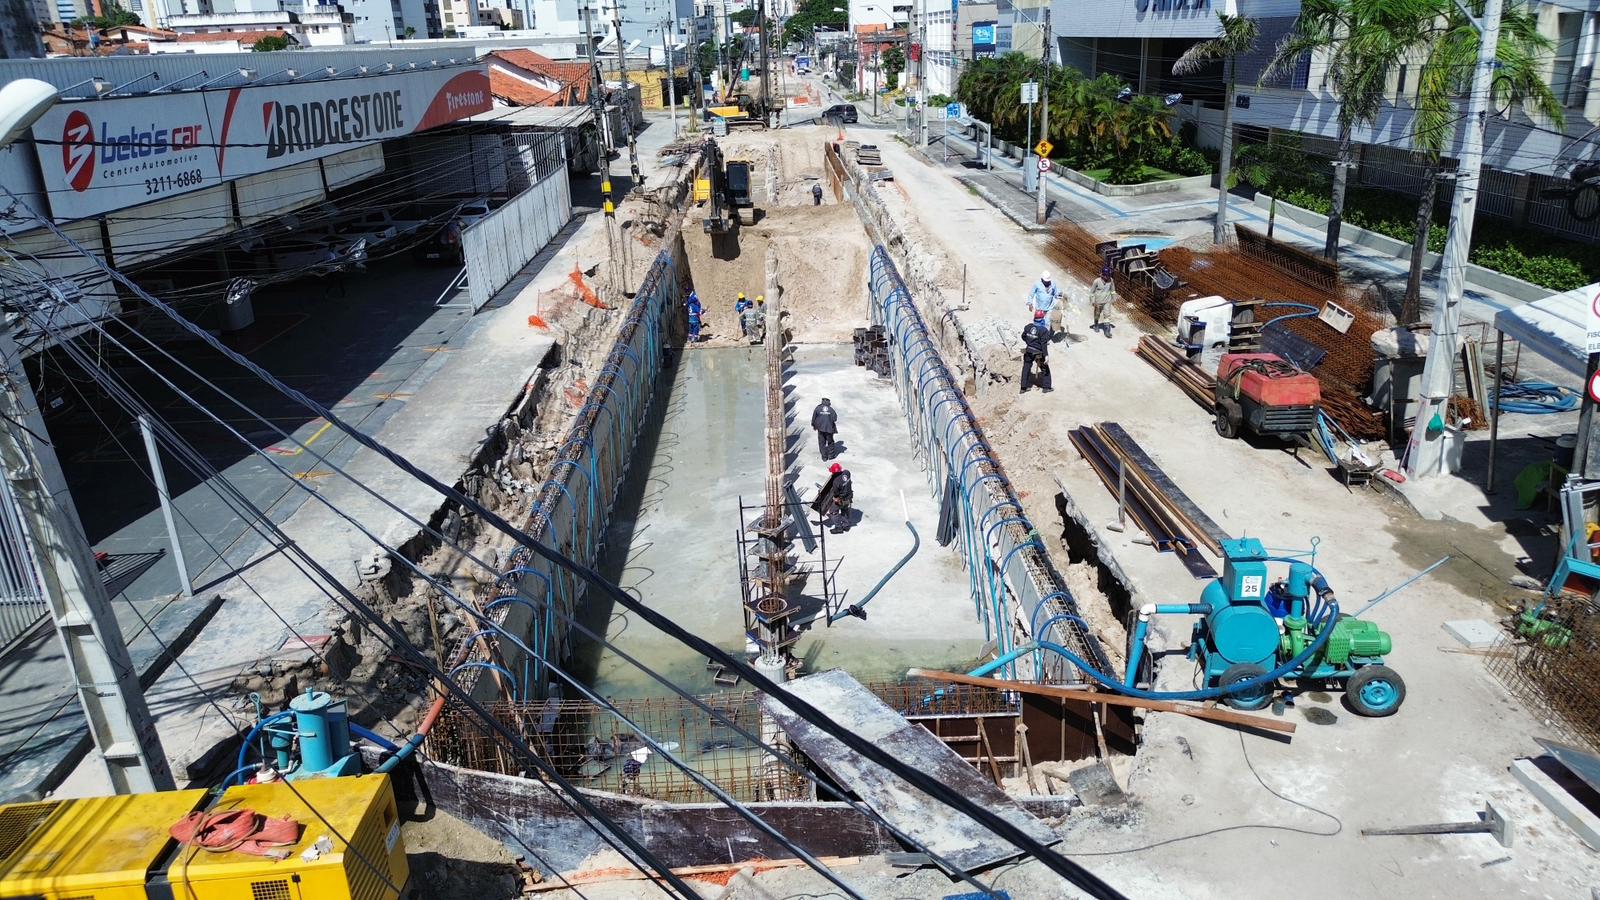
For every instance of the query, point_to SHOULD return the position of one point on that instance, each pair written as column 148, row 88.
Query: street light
column 22, row 102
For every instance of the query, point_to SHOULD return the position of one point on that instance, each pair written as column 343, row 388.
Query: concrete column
column 774, row 668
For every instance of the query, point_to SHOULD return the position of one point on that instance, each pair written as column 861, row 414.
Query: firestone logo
column 77, row 150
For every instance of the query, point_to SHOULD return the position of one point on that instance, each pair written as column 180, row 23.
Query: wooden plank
column 960, row 841
column 1212, row 714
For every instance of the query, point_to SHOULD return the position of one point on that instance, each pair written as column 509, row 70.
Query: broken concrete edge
column 1560, row 802
column 526, row 813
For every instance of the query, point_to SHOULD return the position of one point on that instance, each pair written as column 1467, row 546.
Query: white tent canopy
column 1556, row 327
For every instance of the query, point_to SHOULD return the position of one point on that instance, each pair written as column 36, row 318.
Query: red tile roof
column 573, row 78
column 243, row 37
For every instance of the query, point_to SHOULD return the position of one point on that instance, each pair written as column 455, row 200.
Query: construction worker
column 741, row 304
column 753, row 322
column 834, row 500
column 692, row 305
column 816, row 194
column 1036, row 353
column 825, row 422
column 1102, row 293
column 1045, row 297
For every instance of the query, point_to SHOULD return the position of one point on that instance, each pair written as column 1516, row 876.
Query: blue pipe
column 1132, row 670
column 380, row 740
column 244, row 746
column 859, row 609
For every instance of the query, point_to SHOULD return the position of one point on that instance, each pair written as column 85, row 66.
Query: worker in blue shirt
column 1046, row 298
column 739, row 306
column 693, row 307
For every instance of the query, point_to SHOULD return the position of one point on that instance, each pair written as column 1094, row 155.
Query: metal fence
column 1015, row 590
column 22, row 601
column 500, row 244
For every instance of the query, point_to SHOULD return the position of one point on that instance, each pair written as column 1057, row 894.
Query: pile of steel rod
column 1145, row 494
column 1179, row 369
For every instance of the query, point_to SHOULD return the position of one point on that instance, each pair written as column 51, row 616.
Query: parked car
column 443, row 245
column 843, row 113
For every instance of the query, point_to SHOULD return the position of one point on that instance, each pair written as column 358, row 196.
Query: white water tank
column 1204, row 328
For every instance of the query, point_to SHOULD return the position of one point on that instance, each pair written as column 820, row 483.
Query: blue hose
column 857, row 609
column 378, row 739
column 1534, row 398
column 244, row 746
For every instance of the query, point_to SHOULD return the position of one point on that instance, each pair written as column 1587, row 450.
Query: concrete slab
column 1473, row 633
column 1534, row 774
column 42, row 731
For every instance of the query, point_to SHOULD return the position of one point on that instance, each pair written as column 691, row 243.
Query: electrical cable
column 568, row 793
column 1001, row 827
column 648, row 739
column 1338, row 824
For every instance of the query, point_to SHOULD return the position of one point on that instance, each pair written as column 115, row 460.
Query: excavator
column 724, row 186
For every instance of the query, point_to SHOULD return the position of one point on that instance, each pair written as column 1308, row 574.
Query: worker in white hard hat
column 1046, row 298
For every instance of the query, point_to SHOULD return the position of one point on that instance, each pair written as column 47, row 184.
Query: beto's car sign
column 102, row 155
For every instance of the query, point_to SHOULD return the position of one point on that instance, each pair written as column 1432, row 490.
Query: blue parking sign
column 953, row 111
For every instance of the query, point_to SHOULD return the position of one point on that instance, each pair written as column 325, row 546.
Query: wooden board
column 1209, row 530
column 958, row 840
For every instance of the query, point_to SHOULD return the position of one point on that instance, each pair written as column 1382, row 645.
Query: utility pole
column 1044, row 114
column 597, row 102
column 1427, row 453
column 667, row 28
column 766, row 76
column 922, row 76
column 622, row 76
column 91, row 640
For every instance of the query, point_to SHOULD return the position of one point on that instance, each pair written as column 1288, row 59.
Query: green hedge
column 1545, row 260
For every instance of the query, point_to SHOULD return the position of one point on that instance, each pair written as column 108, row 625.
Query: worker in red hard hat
column 834, row 499
column 1036, row 353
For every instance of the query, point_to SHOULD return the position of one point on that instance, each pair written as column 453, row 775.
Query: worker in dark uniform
column 1036, row 353
column 816, row 194
column 833, row 501
column 826, row 423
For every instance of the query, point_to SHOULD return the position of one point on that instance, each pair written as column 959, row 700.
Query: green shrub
column 1545, row 260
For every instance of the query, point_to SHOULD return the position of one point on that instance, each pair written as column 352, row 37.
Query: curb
column 1026, row 224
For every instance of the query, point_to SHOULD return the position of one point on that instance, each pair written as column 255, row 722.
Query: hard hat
column 741, row 295
column 761, row 298
column 1038, row 314
column 1044, row 277
column 836, row 468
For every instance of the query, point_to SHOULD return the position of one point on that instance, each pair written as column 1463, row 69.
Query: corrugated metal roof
column 171, row 67
column 538, row 116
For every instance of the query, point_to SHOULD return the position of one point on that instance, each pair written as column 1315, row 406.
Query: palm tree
column 1360, row 41
column 1273, row 165
column 1445, row 75
column 1238, row 37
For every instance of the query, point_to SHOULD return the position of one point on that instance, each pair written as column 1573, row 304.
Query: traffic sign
column 952, row 111
column 1594, row 388
column 1044, row 164
column 1030, row 92
column 1043, row 148
column 1594, row 325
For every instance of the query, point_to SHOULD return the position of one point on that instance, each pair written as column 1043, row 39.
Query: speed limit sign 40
column 1044, row 164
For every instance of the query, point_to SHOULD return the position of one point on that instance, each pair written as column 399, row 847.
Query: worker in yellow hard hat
column 740, row 304
column 754, row 320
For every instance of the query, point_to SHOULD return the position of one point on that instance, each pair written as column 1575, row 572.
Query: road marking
column 283, row 451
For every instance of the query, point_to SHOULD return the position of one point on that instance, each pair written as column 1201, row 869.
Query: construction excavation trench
column 712, row 526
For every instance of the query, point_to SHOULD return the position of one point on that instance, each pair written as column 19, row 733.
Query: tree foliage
column 893, row 61
column 744, row 18
column 808, row 15
column 114, row 16
column 270, row 43
column 1091, row 125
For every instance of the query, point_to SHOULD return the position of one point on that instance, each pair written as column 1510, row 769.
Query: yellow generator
column 117, row 848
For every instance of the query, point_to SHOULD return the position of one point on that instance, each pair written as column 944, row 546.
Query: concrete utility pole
column 108, row 687
column 1428, row 454
column 1044, row 114
column 597, row 100
column 668, row 27
column 622, row 76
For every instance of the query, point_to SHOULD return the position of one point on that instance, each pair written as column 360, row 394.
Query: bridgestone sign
column 101, row 155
